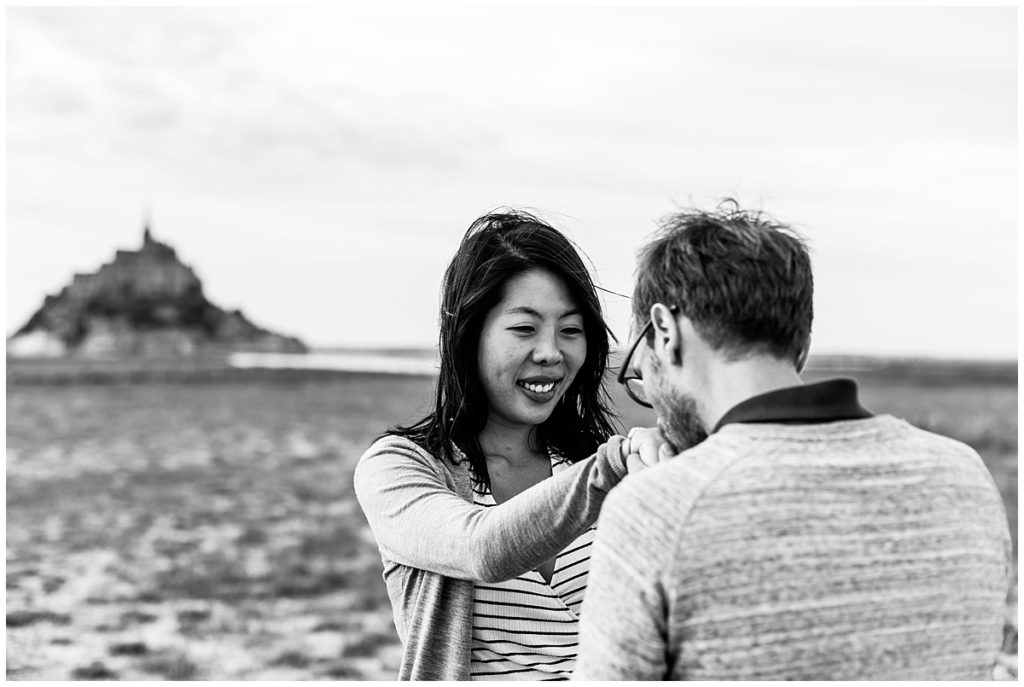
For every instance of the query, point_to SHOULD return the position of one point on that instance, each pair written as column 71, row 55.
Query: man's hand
column 644, row 447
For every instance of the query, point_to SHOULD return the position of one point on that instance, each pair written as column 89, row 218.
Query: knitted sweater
column 434, row 541
column 853, row 550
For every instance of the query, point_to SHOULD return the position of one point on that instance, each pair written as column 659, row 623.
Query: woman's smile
column 539, row 389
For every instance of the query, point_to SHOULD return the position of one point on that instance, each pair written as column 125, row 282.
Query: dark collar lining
column 827, row 401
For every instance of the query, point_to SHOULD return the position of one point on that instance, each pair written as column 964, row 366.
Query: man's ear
column 802, row 360
column 666, row 332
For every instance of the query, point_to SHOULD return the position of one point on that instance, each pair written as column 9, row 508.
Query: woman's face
column 531, row 346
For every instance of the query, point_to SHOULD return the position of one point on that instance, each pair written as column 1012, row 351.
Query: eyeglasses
column 635, row 384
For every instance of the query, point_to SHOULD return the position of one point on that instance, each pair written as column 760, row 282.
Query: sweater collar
column 827, row 401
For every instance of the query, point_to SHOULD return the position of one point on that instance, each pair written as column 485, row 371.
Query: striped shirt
column 525, row 628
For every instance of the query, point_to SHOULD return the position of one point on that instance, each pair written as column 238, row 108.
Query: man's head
column 740, row 286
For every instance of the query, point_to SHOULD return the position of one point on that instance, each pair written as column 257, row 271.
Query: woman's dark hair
column 497, row 247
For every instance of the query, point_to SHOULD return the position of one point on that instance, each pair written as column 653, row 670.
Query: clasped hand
column 641, row 448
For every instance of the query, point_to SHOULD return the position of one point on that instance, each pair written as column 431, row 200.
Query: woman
column 483, row 510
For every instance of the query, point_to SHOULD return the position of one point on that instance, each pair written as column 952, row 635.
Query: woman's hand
column 644, row 447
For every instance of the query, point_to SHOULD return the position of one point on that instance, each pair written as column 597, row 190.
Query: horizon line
column 321, row 348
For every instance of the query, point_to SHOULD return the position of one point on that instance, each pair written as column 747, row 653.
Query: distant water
column 423, row 361
column 406, row 362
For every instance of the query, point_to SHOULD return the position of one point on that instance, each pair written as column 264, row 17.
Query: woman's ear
column 667, row 336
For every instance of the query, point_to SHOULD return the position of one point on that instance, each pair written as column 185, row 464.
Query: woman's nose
column 547, row 352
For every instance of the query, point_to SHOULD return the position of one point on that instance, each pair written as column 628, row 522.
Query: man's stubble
column 678, row 417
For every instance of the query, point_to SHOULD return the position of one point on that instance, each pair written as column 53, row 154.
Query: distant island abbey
column 144, row 303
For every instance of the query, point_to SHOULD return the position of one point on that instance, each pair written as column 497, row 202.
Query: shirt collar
column 827, row 401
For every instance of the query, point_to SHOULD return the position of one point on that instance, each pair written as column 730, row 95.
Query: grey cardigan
column 434, row 542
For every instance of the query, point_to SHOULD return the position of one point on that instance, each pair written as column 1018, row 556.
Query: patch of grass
column 340, row 671
column 149, row 597
column 292, row 659
column 52, row 584
column 170, row 666
column 193, row 617
column 129, row 618
column 26, row 618
column 367, row 646
column 253, row 536
column 128, row 649
column 93, row 671
column 216, row 575
column 303, row 581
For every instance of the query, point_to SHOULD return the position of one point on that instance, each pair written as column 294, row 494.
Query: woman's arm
column 420, row 522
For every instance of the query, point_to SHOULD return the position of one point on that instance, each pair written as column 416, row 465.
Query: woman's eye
column 522, row 329
column 572, row 331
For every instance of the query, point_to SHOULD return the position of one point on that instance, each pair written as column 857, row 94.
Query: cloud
column 365, row 136
column 189, row 85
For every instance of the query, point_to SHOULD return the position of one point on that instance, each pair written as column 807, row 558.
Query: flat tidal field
column 207, row 528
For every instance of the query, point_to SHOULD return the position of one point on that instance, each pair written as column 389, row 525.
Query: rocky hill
column 143, row 303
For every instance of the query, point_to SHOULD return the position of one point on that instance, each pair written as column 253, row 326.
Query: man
column 799, row 536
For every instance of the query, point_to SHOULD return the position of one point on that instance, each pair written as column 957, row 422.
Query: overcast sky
column 317, row 167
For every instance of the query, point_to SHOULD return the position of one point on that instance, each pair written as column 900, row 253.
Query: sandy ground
column 209, row 531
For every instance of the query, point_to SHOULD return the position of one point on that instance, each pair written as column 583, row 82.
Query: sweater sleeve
column 420, row 522
column 623, row 634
